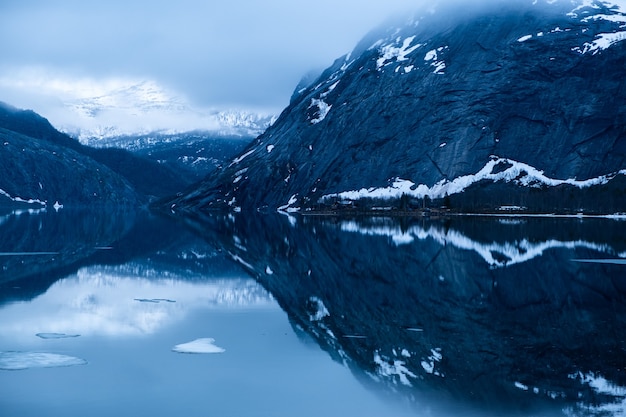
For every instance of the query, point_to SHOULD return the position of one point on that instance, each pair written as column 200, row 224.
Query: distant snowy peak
column 137, row 99
column 145, row 108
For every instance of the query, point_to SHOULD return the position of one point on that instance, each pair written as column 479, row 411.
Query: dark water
column 311, row 316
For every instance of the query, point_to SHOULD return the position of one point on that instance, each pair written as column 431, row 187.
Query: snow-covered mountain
column 142, row 108
column 510, row 103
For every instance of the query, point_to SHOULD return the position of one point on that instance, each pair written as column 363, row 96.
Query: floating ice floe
column 16, row 361
column 56, row 335
column 203, row 345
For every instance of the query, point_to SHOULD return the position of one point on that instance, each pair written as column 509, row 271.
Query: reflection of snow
column 494, row 253
column 601, row 386
column 204, row 345
column 114, row 302
column 14, row 361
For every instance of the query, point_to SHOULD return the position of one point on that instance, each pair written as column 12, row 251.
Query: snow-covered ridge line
column 496, row 255
column 22, row 200
column 517, row 172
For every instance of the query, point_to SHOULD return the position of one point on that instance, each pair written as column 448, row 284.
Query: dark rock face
column 434, row 99
column 34, row 169
column 480, row 314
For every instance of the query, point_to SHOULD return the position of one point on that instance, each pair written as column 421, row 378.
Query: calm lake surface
column 123, row 313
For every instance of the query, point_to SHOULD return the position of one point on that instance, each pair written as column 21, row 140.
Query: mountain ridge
column 44, row 167
column 434, row 100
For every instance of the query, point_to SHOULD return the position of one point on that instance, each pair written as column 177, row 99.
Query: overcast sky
column 246, row 53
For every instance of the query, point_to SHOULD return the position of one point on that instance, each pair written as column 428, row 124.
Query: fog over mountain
column 220, row 56
column 511, row 104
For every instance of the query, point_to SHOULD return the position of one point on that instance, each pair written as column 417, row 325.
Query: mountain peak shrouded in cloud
column 519, row 105
column 84, row 65
column 92, row 110
column 235, row 54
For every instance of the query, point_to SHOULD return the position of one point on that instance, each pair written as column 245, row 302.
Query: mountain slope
column 35, row 173
column 44, row 164
column 535, row 89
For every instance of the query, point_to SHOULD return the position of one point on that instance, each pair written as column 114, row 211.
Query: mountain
column 146, row 108
column 40, row 166
column 193, row 154
column 506, row 105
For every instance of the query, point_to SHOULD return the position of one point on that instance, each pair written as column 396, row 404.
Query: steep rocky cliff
column 528, row 94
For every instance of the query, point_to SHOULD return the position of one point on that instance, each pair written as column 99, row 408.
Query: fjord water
column 281, row 315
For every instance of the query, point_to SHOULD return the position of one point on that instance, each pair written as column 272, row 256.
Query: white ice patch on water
column 270, row 148
column 525, row 38
column 15, row 361
column 56, row 335
column 395, row 368
column 204, row 345
column 518, row 173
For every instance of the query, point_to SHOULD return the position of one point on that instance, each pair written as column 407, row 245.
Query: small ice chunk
column 55, row 335
column 154, row 300
column 203, row 345
column 268, row 270
column 15, row 361
column 525, row 38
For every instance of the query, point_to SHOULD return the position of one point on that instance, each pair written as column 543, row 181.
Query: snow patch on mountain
column 392, row 53
column 516, row 172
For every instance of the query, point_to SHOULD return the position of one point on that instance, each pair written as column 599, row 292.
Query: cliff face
column 525, row 94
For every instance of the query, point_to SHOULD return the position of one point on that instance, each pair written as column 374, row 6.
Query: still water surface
column 134, row 314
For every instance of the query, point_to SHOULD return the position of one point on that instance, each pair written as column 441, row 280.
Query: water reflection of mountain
column 454, row 310
column 39, row 248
